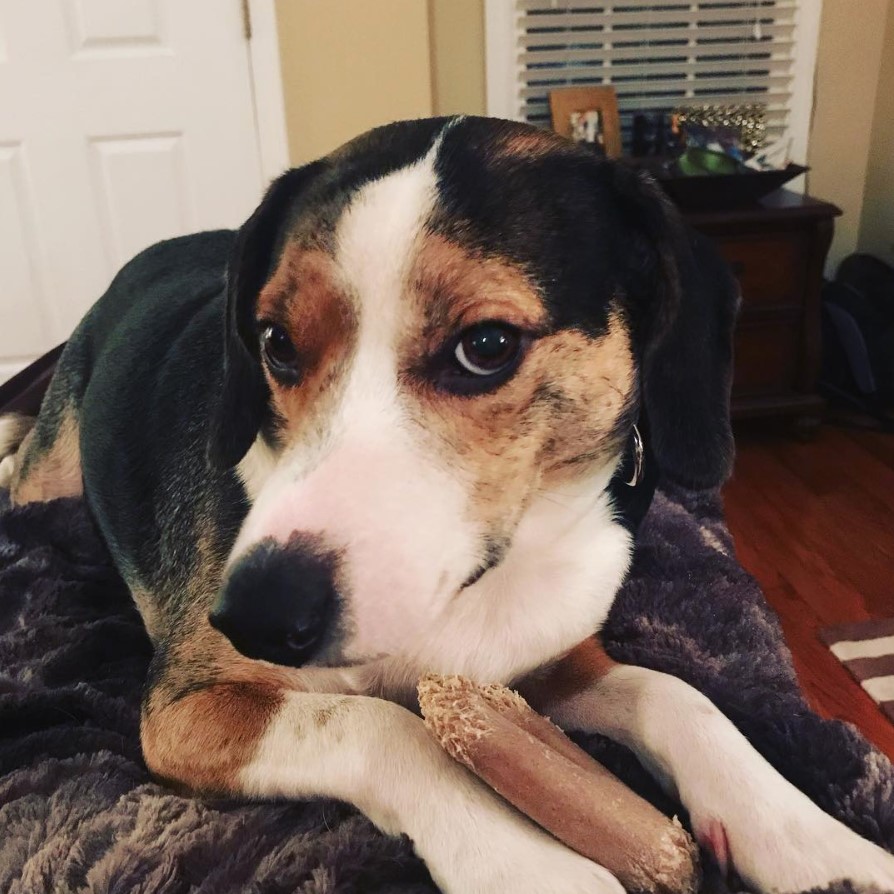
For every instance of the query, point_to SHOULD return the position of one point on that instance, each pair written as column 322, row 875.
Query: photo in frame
column 588, row 115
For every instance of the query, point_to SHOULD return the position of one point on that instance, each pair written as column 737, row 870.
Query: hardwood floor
column 814, row 523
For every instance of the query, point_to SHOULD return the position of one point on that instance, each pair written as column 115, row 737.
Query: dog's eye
column 280, row 353
column 488, row 349
column 479, row 359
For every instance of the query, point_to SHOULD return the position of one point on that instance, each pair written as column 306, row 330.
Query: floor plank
column 812, row 522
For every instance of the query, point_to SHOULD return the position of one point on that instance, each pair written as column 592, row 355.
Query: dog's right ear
column 243, row 403
column 685, row 299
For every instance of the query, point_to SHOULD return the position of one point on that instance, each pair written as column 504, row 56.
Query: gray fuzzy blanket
column 78, row 812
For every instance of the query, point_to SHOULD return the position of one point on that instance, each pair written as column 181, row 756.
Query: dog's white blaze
column 410, row 545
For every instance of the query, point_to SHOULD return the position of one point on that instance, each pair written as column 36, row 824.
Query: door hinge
column 246, row 19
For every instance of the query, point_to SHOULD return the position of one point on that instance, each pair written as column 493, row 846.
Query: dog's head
column 431, row 332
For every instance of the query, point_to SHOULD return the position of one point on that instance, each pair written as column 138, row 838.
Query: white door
column 122, row 122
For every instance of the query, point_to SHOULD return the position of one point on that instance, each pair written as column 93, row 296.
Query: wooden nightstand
column 777, row 249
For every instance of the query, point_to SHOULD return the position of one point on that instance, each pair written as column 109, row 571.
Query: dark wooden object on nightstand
column 777, row 249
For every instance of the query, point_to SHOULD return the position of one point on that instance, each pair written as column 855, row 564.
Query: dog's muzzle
column 279, row 602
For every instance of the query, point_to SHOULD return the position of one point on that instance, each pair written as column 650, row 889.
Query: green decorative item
column 696, row 162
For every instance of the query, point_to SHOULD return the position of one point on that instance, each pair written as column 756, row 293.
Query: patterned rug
column 866, row 649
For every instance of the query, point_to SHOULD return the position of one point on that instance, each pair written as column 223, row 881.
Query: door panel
column 122, row 122
column 149, row 173
column 104, row 25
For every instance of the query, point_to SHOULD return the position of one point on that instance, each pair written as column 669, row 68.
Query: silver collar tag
column 637, row 475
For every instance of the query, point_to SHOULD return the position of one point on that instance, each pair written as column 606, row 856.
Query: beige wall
column 457, row 56
column 349, row 65
column 877, row 222
column 850, row 52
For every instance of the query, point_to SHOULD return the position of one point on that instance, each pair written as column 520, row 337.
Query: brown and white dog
column 397, row 437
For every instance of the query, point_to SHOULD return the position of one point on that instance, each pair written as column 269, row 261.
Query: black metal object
column 723, row 190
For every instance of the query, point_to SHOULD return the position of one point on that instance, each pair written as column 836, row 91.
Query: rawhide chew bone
column 536, row 768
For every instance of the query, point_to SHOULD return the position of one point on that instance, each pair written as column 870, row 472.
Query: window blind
column 658, row 54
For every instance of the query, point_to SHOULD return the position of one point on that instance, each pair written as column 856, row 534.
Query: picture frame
column 580, row 103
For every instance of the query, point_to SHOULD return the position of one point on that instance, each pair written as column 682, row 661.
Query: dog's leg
column 261, row 739
column 48, row 463
column 752, row 818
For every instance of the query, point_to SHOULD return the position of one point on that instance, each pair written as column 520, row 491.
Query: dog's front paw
column 515, row 858
column 792, row 847
column 545, row 869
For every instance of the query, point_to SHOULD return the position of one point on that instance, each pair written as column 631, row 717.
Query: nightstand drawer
column 777, row 248
column 767, row 355
column 771, row 268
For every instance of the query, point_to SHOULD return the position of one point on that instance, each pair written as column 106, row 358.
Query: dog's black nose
column 278, row 602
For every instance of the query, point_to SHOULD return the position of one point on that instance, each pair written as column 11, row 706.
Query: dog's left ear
column 243, row 402
column 686, row 304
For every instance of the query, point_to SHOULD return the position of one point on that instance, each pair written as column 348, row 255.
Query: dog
column 407, row 419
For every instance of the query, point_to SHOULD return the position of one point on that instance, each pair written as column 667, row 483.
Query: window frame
column 503, row 70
